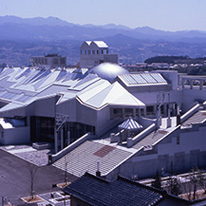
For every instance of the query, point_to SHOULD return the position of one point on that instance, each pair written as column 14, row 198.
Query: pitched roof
column 97, row 191
column 130, row 124
column 101, row 44
column 114, row 94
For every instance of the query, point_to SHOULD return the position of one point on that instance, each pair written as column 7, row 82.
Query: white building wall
column 190, row 96
column 103, row 120
column 69, row 108
column 86, row 115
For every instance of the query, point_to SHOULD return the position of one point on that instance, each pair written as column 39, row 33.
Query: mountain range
column 21, row 38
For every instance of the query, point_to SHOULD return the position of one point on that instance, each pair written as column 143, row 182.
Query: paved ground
column 15, row 178
column 28, row 153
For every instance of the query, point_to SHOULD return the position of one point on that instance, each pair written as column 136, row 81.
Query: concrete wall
column 112, row 58
column 18, row 135
column 68, row 108
column 150, row 98
column 190, row 96
column 188, row 153
column 86, row 115
column 170, row 76
column 45, row 107
column 103, row 120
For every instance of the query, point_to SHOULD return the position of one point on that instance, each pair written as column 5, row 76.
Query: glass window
column 128, row 112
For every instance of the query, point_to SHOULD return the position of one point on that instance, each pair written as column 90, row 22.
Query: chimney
column 98, row 173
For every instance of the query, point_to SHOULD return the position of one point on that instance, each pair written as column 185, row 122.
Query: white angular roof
column 101, row 44
column 113, row 94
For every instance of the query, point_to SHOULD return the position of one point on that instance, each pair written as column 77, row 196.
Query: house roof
column 101, row 44
column 97, row 191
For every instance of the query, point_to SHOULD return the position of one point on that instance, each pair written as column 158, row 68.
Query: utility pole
column 60, row 122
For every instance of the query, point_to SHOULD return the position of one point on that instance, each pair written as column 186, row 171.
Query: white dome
column 108, row 71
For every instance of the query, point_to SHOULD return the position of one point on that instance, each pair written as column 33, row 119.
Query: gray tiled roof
column 96, row 191
column 150, row 139
column 84, row 159
column 198, row 117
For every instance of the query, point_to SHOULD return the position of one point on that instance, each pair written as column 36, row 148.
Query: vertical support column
column 134, row 112
column 191, row 84
column 123, row 113
column 62, row 138
column 169, row 123
column 158, row 117
column 55, row 140
column 183, row 83
column 69, row 139
column 178, row 115
column 145, row 111
column 165, row 109
column 201, row 84
column 155, row 109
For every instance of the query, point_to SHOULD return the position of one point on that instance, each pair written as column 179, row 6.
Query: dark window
column 42, row 129
column 150, row 110
column 178, row 139
column 62, row 61
column 128, row 112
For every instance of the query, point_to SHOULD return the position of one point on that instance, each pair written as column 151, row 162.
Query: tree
column 173, row 185
column 194, row 181
column 190, row 187
column 201, row 176
column 32, row 170
column 157, row 182
column 187, row 189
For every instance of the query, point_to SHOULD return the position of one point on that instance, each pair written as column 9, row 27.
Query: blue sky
column 169, row 15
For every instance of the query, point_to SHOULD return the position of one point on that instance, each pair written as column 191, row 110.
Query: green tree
column 157, row 181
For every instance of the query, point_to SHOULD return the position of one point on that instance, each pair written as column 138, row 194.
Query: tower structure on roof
column 93, row 53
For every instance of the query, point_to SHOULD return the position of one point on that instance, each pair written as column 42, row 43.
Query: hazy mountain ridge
column 54, row 26
column 22, row 38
